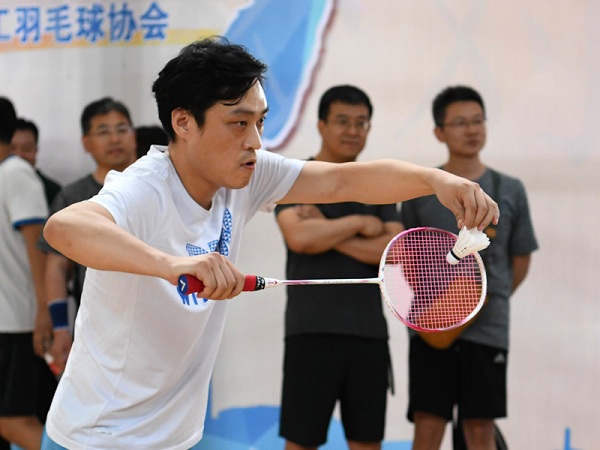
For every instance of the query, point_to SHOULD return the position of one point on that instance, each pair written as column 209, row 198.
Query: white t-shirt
column 22, row 202
column 138, row 373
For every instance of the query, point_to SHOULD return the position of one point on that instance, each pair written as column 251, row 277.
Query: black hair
column 453, row 94
column 8, row 120
column 344, row 94
column 27, row 125
column 99, row 108
column 204, row 73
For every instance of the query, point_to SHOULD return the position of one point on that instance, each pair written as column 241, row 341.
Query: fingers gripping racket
column 420, row 287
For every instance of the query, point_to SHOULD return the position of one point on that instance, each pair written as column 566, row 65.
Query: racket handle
column 189, row 284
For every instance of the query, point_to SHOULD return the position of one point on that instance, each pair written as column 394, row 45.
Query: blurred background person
column 108, row 136
column 24, row 143
column 469, row 370
column 25, row 327
column 336, row 338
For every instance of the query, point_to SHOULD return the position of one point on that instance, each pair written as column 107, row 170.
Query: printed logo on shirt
column 499, row 358
column 221, row 245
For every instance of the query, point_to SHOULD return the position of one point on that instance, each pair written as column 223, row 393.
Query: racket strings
column 422, row 289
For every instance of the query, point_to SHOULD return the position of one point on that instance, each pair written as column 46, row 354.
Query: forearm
column 58, row 271
column 86, row 233
column 396, row 181
column 369, row 250
column 37, row 264
column 37, row 261
column 312, row 236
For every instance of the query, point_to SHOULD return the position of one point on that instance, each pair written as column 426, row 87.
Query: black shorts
column 319, row 370
column 469, row 375
column 26, row 383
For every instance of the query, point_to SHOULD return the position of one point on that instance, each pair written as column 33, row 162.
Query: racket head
column 422, row 289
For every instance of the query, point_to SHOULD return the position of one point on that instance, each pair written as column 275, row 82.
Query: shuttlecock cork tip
column 469, row 241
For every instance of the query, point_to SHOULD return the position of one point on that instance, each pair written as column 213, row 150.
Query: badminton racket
column 419, row 286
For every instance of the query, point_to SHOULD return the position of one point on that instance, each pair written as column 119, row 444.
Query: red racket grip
column 189, row 284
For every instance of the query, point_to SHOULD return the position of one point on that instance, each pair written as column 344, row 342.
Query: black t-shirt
column 347, row 309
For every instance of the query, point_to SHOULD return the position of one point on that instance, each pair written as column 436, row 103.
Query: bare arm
column 37, row 263
column 307, row 231
column 392, row 181
column 369, row 249
column 520, row 264
column 58, row 272
column 87, row 233
column 361, row 237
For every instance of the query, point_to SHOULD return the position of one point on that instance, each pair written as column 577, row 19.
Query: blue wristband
column 58, row 313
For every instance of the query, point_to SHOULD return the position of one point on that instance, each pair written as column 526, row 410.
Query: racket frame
column 388, row 301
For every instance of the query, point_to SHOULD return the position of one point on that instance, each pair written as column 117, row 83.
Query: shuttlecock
column 469, row 241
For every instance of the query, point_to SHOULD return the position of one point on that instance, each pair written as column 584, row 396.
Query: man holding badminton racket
column 336, row 335
column 139, row 369
column 471, row 372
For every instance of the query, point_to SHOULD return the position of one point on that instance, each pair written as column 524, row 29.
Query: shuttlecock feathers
column 469, row 241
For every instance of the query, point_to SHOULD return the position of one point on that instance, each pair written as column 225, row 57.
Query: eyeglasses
column 106, row 132
column 347, row 124
column 463, row 124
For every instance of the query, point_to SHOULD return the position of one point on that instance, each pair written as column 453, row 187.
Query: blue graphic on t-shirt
column 221, row 245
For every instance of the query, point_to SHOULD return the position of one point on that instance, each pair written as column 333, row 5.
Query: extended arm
column 87, row 233
column 392, row 181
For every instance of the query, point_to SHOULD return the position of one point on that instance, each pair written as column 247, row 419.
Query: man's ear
column 439, row 134
column 320, row 126
column 85, row 143
column 180, row 121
